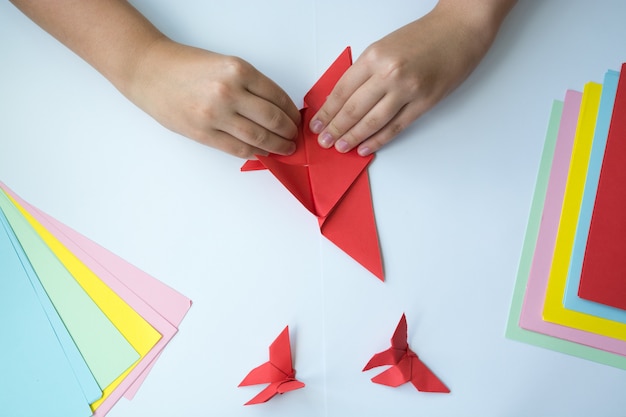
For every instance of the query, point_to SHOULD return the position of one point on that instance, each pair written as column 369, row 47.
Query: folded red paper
column 405, row 365
column 333, row 186
column 278, row 371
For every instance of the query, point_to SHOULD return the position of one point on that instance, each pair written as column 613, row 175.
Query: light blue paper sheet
column 85, row 378
column 36, row 379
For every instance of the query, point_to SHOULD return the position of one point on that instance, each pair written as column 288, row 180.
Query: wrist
column 478, row 19
column 145, row 67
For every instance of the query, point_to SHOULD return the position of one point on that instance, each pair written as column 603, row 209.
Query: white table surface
column 451, row 195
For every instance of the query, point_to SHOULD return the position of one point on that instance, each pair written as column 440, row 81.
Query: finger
column 225, row 142
column 257, row 136
column 366, row 125
column 407, row 115
column 350, row 81
column 268, row 90
column 361, row 104
column 267, row 115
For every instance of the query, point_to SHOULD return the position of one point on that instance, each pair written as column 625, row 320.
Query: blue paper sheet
column 85, row 378
column 36, row 378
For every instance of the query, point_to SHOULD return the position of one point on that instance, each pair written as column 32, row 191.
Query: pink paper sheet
column 531, row 316
column 160, row 305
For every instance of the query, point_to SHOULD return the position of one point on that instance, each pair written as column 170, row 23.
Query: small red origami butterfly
column 405, row 365
column 278, row 371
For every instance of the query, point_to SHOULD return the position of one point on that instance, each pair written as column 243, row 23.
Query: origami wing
column 405, row 365
column 396, row 375
column 333, row 186
column 278, row 371
column 424, row 379
column 398, row 350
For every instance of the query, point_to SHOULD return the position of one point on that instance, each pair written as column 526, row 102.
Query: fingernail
column 291, row 149
column 364, row 151
column 325, row 140
column 342, row 146
column 317, row 126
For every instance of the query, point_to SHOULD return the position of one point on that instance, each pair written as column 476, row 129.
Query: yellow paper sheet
column 139, row 333
column 553, row 309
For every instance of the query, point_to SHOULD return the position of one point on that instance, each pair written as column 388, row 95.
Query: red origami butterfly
column 278, row 371
column 405, row 365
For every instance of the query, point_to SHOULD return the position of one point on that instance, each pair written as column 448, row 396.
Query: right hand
column 217, row 100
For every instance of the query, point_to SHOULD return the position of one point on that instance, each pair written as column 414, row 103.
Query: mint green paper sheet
column 513, row 331
column 107, row 353
column 36, row 378
column 86, row 380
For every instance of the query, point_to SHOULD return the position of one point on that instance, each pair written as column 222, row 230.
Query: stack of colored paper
column 570, row 294
column 81, row 327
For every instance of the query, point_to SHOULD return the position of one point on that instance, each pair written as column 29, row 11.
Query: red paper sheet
column 333, row 186
column 603, row 276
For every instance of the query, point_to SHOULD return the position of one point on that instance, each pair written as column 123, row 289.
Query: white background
column 451, row 196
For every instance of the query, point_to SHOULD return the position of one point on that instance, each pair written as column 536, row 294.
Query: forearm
column 111, row 35
column 471, row 27
column 218, row 100
column 483, row 17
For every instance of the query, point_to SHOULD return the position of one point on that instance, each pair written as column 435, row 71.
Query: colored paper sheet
column 36, row 377
column 167, row 329
column 105, row 350
column 114, row 271
column 137, row 331
column 603, row 276
column 333, row 186
column 86, row 380
column 167, row 301
column 525, row 323
column 553, row 310
column 571, row 300
column 114, row 391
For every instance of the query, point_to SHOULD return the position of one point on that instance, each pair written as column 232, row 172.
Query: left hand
column 399, row 78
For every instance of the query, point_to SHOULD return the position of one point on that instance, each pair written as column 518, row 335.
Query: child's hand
column 226, row 103
column 218, row 100
column 400, row 77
